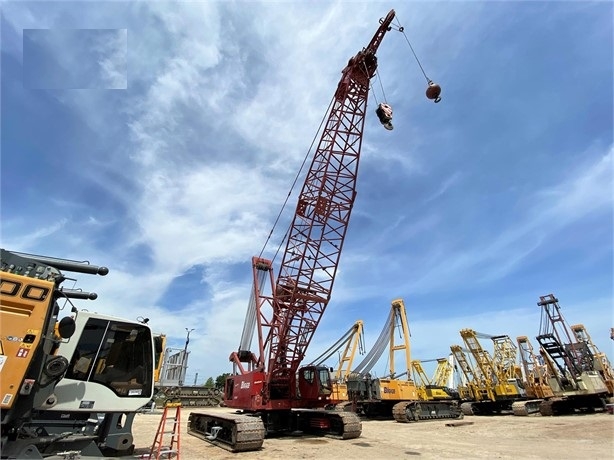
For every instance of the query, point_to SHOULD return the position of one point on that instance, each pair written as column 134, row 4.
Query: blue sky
column 161, row 139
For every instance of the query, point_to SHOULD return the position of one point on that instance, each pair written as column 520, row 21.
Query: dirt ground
column 501, row 437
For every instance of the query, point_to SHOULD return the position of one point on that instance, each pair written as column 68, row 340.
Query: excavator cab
column 315, row 385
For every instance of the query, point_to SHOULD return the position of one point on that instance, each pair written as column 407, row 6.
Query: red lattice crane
column 286, row 310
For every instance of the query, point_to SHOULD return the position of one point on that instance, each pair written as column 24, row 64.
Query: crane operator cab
column 315, row 385
column 384, row 113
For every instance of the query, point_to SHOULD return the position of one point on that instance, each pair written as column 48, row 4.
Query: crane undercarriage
column 570, row 405
column 404, row 411
column 242, row 431
column 417, row 411
column 501, row 407
column 528, row 407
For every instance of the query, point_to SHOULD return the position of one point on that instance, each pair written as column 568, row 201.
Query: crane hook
column 384, row 113
column 433, row 91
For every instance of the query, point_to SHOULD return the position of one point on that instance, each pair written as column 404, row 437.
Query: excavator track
column 233, row 432
column 525, row 408
column 415, row 411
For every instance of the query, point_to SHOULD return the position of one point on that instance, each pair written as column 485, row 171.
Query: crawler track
column 525, row 408
column 565, row 406
column 344, row 425
column 345, row 406
column 415, row 411
column 233, row 432
column 242, row 433
column 467, row 408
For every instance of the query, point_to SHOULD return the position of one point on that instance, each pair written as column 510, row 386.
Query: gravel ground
column 573, row 437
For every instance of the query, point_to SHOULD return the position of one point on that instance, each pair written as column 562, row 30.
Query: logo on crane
column 244, row 385
column 389, row 390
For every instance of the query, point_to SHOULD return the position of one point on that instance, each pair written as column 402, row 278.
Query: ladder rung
column 164, row 429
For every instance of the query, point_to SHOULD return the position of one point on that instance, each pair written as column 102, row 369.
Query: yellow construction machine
column 436, row 387
column 601, row 363
column 535, row 379
column 69, row 384
column 392, row 395
column 472, row 386
column 497, row 384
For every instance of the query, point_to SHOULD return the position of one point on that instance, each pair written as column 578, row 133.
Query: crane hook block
column 433, row 91
column 384, row 113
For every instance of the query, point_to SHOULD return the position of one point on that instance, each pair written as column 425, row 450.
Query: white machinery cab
column 111, row 366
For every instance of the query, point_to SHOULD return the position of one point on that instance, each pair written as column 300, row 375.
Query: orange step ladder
column 159, row 450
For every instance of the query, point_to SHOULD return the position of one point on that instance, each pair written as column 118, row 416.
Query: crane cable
column 292, row 187
column 401, row 29
column 377, row 74
column 397, row 27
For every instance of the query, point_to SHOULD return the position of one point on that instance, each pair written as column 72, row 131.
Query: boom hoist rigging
column 268, row 386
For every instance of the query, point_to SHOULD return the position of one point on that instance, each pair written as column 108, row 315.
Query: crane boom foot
column 416, row 411
column 233, row 432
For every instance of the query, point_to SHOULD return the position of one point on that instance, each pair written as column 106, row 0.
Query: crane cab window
column 115, row 354
column 308, row 375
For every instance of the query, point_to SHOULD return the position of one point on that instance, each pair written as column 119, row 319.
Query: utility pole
column 195, row 379
column 185, row 358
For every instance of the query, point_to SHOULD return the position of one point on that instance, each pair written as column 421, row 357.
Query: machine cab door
column 315, row 384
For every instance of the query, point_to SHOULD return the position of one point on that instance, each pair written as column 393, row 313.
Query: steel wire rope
column 333, row 348
column 376, row 352
column 401, row 29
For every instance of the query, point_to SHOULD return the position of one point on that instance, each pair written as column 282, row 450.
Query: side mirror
column 67, row 327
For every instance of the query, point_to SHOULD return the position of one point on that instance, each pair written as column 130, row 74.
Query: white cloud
column 113, row 59
column 222, row 106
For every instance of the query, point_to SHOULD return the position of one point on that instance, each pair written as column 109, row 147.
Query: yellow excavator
column 392, row 395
